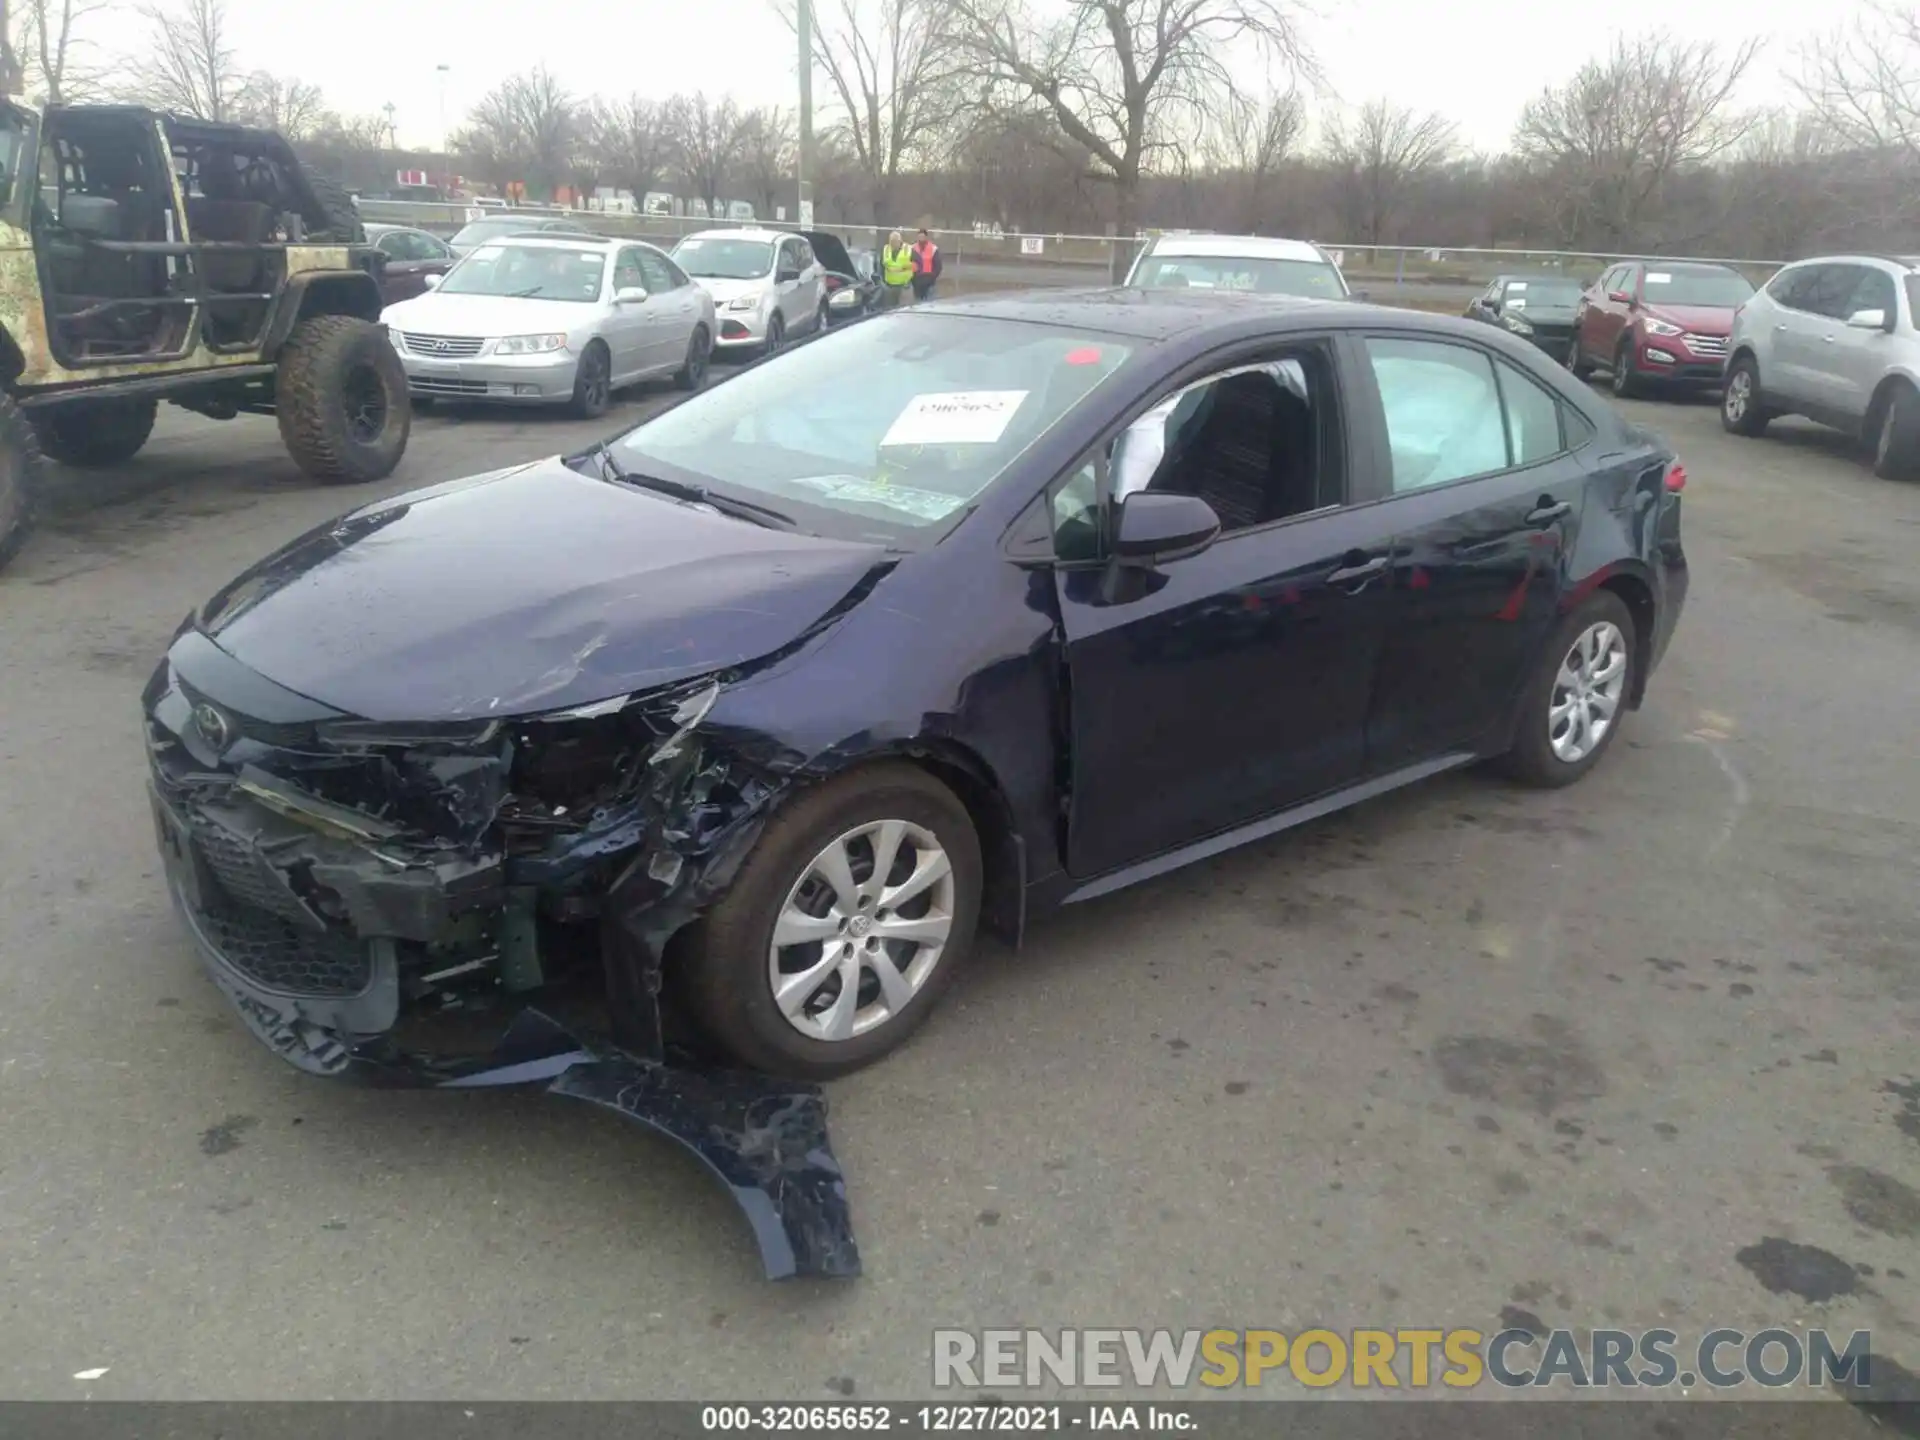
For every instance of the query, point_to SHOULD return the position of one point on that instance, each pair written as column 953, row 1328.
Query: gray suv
column 1833, row 339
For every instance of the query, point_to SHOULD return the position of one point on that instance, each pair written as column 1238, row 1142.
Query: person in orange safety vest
column 926, row 266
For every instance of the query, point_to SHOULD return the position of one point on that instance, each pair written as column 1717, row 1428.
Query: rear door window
column 1453, row 412
column 1829, row 290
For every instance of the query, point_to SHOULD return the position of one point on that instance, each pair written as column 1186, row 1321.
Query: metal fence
column 1423, row 276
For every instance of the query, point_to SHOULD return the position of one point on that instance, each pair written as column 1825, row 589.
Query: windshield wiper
column 694, row 494
column 525, row 294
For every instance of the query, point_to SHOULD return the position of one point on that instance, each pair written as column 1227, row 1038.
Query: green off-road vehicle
column 145, row 257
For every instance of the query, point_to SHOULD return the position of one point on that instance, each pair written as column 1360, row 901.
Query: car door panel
column 1856, row 359
column 671, row 307
column 1803, row 336
column 628, row 328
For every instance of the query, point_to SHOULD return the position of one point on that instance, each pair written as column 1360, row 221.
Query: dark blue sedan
column 751, row 717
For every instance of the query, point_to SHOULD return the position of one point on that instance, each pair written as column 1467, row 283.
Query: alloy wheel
column 1587, row 692
column 364, row 398
column 1738, row 397
column 698, row 357
column 861, row 930
column 593, row 380
column 1889, row 430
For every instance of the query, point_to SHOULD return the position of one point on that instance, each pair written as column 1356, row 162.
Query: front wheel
column 1741, row 412
column 91, row 434
column 341, row 400
column 1626, row 384
column 776, row 334
column 1574, row 702
column 19, row 478
column 592, row 383
column 1577, row 364
column 843, row 927
column 1896, row 442
column 693, row 373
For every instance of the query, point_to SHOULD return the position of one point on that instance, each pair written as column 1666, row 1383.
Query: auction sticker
column 955, row 417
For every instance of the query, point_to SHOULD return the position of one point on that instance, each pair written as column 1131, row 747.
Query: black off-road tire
column 90, row 434
column 691, row 375
column 344, row 225
column 1754, row 415
column 1896, row 434
column 1531, row 761
column 723, row 968
column 19, row 478
column 332, row 369
column 592, row 383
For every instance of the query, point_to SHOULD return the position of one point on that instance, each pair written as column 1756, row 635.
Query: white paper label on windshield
column 955, row 417
column 1519, row 302
column 921, row 504
column 1513, row 285
column 1659, row 277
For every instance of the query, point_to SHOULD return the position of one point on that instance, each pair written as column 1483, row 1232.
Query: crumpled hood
column 724, row 290
column 530, row 589
column 1700, row 319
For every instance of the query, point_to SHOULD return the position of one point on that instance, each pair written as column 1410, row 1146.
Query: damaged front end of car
column 484, row 903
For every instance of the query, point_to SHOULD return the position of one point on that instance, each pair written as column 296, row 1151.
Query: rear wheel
column 1577, row 696
column 592, row 382
column 88, row 434
column 19, row 478
column 1896, row 443
column 341, row 400
column 843, row 927
column 1741, row 409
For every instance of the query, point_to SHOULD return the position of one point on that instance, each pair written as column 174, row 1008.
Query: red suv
column 1657, row 322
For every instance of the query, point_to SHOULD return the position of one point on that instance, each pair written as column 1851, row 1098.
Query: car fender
column 320, row 292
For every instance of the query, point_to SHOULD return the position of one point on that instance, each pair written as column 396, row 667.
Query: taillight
column 1676, row 478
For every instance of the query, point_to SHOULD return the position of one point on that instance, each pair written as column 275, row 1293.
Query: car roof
column 549, row 239
column 1239, row 247
column 1531, row 275
column 739, row 232
column 1162, row 315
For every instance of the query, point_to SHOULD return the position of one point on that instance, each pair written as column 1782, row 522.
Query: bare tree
column 293, row 107
column 526, row 130
column 49, row 51
column 894, row 82
column 632, row 139
column 767, row 153
column 187, row 64
column 1864, row 81
column 1119, row 76
column 709, row 137
column 1617, row 133
column 1376, row 156
column 1248, row 149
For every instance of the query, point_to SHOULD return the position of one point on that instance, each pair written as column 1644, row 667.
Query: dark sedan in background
column 768, row 704
column 410, row 256
column 852, row 278
column 1537, row 308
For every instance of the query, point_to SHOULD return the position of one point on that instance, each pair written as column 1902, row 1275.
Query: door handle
column 1548, row 510
column 1363, row 571
column 1826, row 339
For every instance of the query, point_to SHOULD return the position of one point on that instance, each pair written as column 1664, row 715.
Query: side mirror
column 1619, row 297
column 629, row 295
column 433, row 281
column 1868, row 320
column 1155, row 529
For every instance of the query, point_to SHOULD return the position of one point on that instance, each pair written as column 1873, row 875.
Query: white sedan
column 565, row 320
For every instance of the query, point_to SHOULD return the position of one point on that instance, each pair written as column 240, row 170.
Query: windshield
column 1312, row 278
column 528, row 272
column 1699, row 285
column 1550, row 293
column 724, row 259
column 941, row 407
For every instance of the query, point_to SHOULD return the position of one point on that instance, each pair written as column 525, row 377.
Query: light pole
column 803, row 26
column 446, row 158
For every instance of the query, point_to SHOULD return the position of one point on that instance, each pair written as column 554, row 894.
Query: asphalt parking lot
column 1465, row 1056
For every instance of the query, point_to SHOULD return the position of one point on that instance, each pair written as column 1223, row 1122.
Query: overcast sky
column 1476, row 61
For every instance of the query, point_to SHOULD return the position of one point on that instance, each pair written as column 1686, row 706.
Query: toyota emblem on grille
column 213, row 726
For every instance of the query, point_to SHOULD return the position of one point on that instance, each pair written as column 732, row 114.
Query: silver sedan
column 565, row 320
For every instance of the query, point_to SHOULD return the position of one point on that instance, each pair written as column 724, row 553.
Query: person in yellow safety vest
column 896, row 271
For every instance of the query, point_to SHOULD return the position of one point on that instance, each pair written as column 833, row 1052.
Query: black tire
column 19, row 478
column 341, row 399
column 1743, row 409
column 1896, row 435
column 342, row 224
column 776, row 334
column 1626, row 384
column 821, row 319
column 592, row 383
column 1532, row 760
column 1578, row 365
column 693, row 374
column 723, row 969
column 90, row 434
